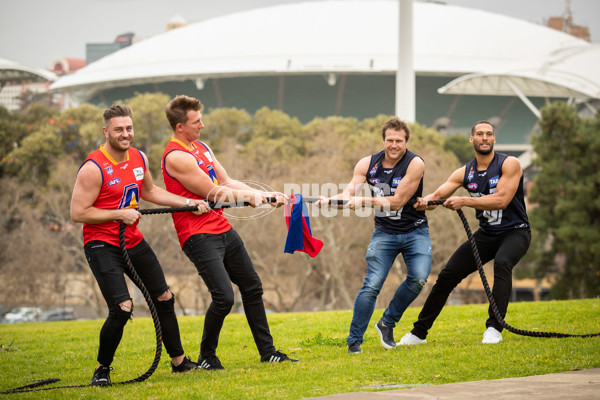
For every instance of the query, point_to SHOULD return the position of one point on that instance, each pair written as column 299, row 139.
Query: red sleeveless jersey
column 121, row 188
column 188, row 224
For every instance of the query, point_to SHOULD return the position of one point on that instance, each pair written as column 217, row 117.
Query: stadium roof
column 570, row 72
column 11, row 71
column 322, row 37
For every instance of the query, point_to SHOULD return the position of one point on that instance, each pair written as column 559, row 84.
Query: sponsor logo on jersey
column 388, row 171
column 494, row 181
column 374, row 181
column 139, row 173
column 373, row 170
column 396, row 181
column 472, row 186
column 208, row 156
column 124, row 166
column 114, row 182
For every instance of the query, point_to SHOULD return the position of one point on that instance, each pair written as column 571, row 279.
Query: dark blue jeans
column 505, row 249
column 220, row 260
column 415, row 247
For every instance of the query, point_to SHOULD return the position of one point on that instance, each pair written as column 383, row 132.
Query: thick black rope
column 488, row 292
column 34, row 387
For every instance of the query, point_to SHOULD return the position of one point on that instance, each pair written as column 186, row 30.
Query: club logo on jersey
column 373, row 170
column 114, row 182
column 471, row 174
column 396, row 181
column 200, row 162
column 109, row 170
column 494, row 181
column 472, row 186
column 139, row 173
column 212, row 174
column 374, row 181
column 131, row 196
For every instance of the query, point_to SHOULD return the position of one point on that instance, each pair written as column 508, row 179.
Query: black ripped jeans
column 109, row 268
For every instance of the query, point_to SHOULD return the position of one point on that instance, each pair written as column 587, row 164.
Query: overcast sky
column 35, row 32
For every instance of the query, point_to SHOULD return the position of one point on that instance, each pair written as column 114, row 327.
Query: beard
column 478, row 150
column 117, row 145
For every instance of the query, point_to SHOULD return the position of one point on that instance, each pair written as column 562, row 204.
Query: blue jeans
column 415, row 247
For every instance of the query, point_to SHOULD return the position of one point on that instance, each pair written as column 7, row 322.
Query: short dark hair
column 482, row 122
column 117, row 110
column 178, row 108
column 395, row 124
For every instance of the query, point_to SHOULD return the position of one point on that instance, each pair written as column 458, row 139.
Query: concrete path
column 573, row 385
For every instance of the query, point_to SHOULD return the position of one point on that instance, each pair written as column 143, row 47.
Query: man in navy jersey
column 495, row 185
column 395, row 179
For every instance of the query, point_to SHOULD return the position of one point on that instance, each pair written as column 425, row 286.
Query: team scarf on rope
column 299, row 237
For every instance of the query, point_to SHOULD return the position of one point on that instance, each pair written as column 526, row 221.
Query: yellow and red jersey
column 121, row 188
column 188, row 224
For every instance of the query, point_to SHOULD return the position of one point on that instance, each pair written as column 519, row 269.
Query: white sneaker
column 491, row 336
column 409, row 339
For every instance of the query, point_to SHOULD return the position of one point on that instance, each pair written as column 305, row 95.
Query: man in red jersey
column 107, row 191
column 191, row 169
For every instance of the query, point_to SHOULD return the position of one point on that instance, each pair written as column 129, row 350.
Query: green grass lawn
column 454, row 353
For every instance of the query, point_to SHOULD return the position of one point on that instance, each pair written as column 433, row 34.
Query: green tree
column 150, row 125
column 566, row 193
column 12, row 133
column 460, row 146
column 80, row 130
column 223, row 125
column 34, row 159
column 275, row 140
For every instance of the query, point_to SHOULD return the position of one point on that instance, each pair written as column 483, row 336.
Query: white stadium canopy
column 11, row 71
column 343, row 36
column 569, row 72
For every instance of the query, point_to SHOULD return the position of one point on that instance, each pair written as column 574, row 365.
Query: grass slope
column 454, row 353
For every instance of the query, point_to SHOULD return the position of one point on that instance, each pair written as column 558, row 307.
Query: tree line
column 41, row 149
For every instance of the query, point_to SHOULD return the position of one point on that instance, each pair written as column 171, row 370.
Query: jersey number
column 494, row 217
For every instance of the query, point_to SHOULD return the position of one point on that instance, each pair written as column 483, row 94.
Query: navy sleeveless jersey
column 482, row 183
column 383, row 182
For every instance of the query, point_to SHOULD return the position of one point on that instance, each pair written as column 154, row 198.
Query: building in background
column 565, row 24
column 64, row 66
column 176, row 22
column 95, row 51
column 317, row 59
column 21, row 85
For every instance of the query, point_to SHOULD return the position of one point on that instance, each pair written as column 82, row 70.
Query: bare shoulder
column 511, row 164
column 362, row 165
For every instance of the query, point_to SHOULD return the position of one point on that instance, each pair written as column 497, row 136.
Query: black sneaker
column 354, row 348
column 277, row 356
column 210, row 363
column 186, row 365
column 386, row 335
column 101, row 376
